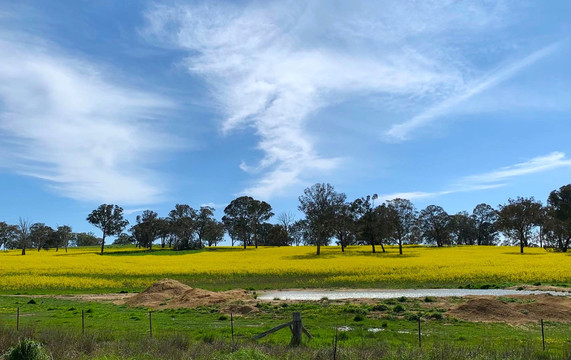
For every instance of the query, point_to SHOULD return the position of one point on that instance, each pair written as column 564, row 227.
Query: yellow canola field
column 224, row 267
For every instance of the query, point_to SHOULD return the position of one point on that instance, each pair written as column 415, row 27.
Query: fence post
column 419, row 338
column 82, row 321
column 542, row 335
column 150, row 324
column 335, row 345
column 18, row 319
column 296, row 329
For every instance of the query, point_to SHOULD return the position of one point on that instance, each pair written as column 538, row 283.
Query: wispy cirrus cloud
column 63, row 121
column 493, row 179
column 272, row 66
column 401, row 132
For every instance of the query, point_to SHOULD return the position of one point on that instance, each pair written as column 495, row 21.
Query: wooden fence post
column 419, row 338
column 18, row 319
column 296, row 329
column 335, row 345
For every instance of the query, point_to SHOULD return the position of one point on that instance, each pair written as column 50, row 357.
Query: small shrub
column 402, row 299
column 32, row 302
column 537, row 283
column 380, row 307
column 384, row 324
column 411, row 317
column 398, row 308
column 358, row 317
column 429, row 299
column 27, row 350
column 223, row 317
column 436, row 316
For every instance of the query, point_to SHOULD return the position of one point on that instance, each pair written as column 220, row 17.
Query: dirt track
column 516, row 309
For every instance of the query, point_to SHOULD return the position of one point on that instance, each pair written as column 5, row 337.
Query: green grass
column 205, row 324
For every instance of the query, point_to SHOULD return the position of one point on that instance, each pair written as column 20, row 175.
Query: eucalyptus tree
column 297, row 231
column 214, row 232
column 436, row 225
column 321, row 203
column 558, row 225
column 464, row 229
column 208, row 229
column 366, row 220
column 345, row 226
column 109, row 219
column 63, row 235
column 485, row 218
column 146, row 231
column 286, row 220
column 243, row 217
column 183, row 226
column 23, row 234
column 518, row 218
column 8, row 235
column 41, row 236
column 403, row 220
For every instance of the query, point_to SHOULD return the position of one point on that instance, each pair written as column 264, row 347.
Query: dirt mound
column 517, row 309
column 240, row 309
column 169, row 293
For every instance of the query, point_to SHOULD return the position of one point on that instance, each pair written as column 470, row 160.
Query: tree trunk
column 373, row 244
column 245, row 244
column 400, row 246
column 103, row 243
column 24, row 250
column 382, row 246
column 318, row 249
column 521, row 246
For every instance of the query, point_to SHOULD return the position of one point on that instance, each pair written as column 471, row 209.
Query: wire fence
column 237, row 330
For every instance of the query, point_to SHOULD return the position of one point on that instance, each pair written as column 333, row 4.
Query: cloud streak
column 271, row 67
column 400, row 132
column 63, row 121
column 493, row 179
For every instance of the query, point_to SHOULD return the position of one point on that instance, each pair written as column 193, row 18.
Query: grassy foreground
column 128, row 269
column 386, row 329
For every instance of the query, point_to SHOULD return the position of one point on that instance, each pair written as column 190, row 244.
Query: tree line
column 329, row 217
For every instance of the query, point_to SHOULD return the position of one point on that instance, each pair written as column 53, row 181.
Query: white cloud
column 493, row 179
column 535, row 165
column 63, row 121
column 271, row 66
column 400, row 132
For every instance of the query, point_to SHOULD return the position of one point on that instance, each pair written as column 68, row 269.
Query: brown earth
column 514, row 310
column 168, row 293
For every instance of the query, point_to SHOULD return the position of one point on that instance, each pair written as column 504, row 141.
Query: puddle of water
column 392, row 293
column 375, row 330
column 344, row 328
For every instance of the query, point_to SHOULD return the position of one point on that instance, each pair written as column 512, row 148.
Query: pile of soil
column 521, row 309
column 169, row 293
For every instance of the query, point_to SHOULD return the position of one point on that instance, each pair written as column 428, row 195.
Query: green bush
column 27, row 350
column 380, row 307
column 398, row 308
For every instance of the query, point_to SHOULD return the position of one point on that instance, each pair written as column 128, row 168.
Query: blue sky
column 151, row 103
